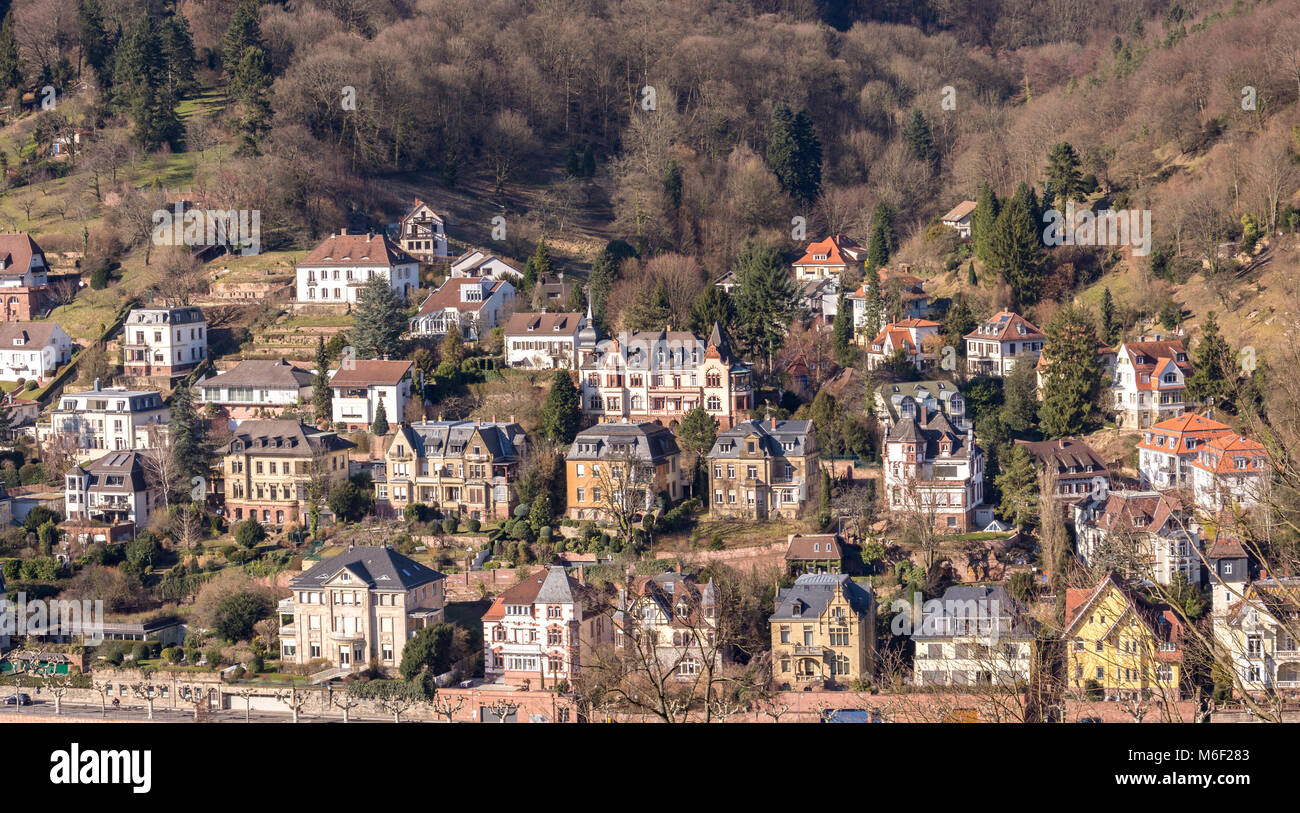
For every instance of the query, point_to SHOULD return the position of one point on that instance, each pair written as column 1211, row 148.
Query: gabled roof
column 898, row 335
column 932, row 435
column 16, row 252
column 1159, row 619
column 1152, row 355
column 502, row 441
column 263, row 374
column 549, row 585
column 448, row 295
column 1004, row 327
column 961, row 210
column 33, row 334
column 839, row 250
column 357, row 250
column 379, row 568
column 374, row 373
column 415, row 207
column 1066, row 455
column 813, row 547
column 543, row 324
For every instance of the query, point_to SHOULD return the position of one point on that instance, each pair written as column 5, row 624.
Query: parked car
column 21, row 699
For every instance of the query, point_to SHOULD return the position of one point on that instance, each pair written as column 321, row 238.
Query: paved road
column 79, row 711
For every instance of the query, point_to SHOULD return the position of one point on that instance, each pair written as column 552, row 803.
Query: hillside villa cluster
column 634, row 389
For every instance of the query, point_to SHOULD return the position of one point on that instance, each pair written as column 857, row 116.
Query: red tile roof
column 1006, row 326
column 448, row 296
column 1177, row 431
column 834, row 247
column 1221, row 453
column 357, row 250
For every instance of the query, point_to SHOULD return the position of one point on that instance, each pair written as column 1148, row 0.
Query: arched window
column 713, row 379
column 637, row 402
column 714, row 403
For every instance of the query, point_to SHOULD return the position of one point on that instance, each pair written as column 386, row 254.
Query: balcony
column 345, row 637
column 288, row 631
column 809, row 651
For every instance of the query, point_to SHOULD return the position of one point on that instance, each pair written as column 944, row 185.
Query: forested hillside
column 675, row 126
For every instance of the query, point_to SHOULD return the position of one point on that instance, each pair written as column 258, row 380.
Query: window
column 785, row 635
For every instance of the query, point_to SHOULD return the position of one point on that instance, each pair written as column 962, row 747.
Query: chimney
column 98, row 385
column 582, row 575
column 1060, row 444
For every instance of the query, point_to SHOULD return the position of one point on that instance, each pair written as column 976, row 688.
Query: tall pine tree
column 561, row 413
column 920, row 141
column 1072, row 381
column 1110, row 326
column 1063, row 175
column 1213, row 367
column 983, row 223
column 322, row 397
column 765, row 302
column 1016, row 246
column 379, row 320
column 187, row 431
column 794, row 153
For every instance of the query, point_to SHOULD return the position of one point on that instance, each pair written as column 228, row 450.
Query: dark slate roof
column 1068, row 455
column 379, row 568
column 165, row 316
column 127, row 465
column 936, row 393
column 936, row 429
column 448, row 438
column 280, row 437
column 646, row 441
column 976, row 603
column 813, row 592
column 772, row 435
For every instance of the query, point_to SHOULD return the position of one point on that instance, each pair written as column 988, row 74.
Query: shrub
column 213, row 656
column 435, row 526
column 473, row 525
column 173, row 654
column 451, row 523
column 29, row 385
column 249, row 532
column 140, row 651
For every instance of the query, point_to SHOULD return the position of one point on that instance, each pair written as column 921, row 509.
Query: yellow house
column 1122, row 644
column 823, row 632
column 615, row 469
